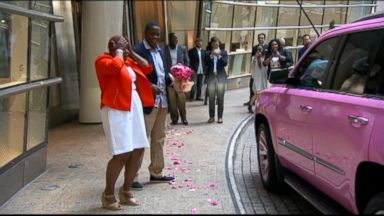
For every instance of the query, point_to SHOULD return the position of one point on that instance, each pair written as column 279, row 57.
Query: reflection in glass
column 239, row 64
column 244, row 17
column 265, row 17
column 13, row 51
column 334, row 14
column 37, row 117
column 221, row 17
column 39, row 49
column 5, row 45
column 355, row 13
column 12, row 111
column 182, row 19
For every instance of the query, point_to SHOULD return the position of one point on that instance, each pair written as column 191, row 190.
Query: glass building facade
column 40, row 49
column 287, row 19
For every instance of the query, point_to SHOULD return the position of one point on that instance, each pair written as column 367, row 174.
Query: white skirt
column 125, row 131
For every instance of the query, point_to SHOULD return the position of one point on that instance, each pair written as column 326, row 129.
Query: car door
column 295, row 107
column 344, row 117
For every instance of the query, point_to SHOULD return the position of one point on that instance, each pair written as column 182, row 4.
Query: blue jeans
column 216, row 90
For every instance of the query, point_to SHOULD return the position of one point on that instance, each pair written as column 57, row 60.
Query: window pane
column 13, row 49
column 239, row 64
column 334, row 14
column 12, row 111
column 354, row 65
column 358, row 12
column 37, row 117
column 244, row 17
column 312, row 70
column 182, row 18
column 218, row 20
column 39, row 49
column 315, row 14
column 265, row 17
column 288, row 16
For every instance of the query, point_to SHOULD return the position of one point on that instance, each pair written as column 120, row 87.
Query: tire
column 271, row 172
column 375, row 205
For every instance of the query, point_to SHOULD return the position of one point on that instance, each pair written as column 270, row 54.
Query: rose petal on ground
column 184, row 170
column 212, row 202
column 194, row 210
column 211, row 185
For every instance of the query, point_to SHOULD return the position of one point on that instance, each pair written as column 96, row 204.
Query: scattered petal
column 212, row 202
column 194, row 210
column 212, row 185
column 184, row 170
column 192, row 189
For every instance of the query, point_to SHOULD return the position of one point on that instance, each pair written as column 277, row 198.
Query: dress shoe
column 161, row 179
column 136, row 186
column 174, row 123
column 199, row 99
column 220, row 120
column 246, row 104
column 211, row 120
column 185, row 122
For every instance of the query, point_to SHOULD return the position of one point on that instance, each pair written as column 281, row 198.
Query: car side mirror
column 278, row 76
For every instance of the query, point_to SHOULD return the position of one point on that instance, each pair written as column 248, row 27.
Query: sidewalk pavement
column 195, row 154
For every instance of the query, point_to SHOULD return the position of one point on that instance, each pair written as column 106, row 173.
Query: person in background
column 286, row 52
column 274, row 59
column 174, row 54
column 259, row 73
column 261, row 40
column 125, row 89
column 216, row 76
column 197, row 62
column 155, row 117
column 306, row 42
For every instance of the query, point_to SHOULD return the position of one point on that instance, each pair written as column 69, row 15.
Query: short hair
column 305, row 35
column 198, row 39
column 261, row 34
column 150, row 25
column 171, row 34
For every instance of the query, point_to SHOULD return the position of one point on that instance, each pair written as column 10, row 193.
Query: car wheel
column 375, row 205
column 269, row 167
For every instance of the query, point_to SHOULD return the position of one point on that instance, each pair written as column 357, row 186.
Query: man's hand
column 156, row 90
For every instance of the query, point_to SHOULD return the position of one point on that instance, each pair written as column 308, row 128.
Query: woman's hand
column 216, row 52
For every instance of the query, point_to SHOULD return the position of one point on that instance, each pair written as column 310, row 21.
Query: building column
column 100, row 21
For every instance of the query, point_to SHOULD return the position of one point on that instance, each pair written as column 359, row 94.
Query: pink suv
column 322, row 129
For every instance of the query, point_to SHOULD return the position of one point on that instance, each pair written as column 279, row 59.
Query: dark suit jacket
column 182, row 57
column 152, row 77
column 220, row 67
column 194, row 59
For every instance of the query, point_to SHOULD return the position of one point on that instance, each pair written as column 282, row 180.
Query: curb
column 232, row 144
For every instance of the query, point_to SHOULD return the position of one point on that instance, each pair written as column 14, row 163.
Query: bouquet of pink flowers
column 181, row 75
column 181, row 71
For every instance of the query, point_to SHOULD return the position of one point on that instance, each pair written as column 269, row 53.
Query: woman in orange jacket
column 125, row 90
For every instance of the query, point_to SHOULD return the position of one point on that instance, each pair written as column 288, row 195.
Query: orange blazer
column 116, row 83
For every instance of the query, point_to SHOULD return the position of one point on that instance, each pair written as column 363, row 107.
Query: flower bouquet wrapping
column 181, row 75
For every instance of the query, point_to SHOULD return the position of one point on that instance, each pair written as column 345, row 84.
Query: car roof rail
column 377, row 14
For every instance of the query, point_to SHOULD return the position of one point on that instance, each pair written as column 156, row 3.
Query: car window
column 313, row 69
column 359, row 70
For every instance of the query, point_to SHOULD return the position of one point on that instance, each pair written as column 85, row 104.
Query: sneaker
column 136, row 186
column 161, row 179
